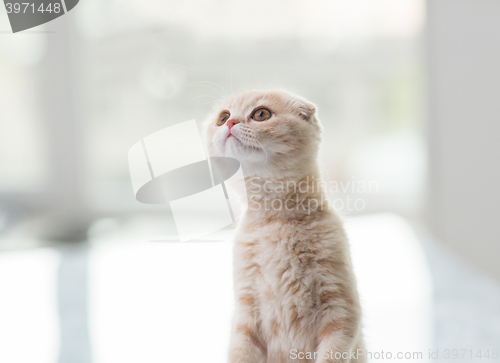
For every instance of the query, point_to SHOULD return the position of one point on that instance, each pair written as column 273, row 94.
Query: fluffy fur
column 296, row 296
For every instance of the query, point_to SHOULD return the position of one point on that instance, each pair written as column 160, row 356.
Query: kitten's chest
column 284, row 284
column 286, row 277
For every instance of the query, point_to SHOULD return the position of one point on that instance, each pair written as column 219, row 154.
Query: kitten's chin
column 234, row 148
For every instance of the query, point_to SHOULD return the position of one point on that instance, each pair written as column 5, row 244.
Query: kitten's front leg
column 338, row 349
column 341, row 340
column 246, row 344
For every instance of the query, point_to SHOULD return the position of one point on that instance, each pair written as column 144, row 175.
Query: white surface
column 181, row 295
column 160, row 302
column 394, row 282
column 29, row 325
column 172, row 302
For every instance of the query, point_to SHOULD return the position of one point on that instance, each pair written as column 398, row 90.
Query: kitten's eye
column 223, row 118
column 262, row 114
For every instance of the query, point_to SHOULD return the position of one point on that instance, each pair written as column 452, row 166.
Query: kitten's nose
column 231, row 123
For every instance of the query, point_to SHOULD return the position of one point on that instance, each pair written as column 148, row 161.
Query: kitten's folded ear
column 306, row 109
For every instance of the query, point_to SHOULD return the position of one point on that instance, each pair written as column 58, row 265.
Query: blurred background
column 408, row 95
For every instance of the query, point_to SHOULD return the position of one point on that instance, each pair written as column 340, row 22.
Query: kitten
column 296, row 297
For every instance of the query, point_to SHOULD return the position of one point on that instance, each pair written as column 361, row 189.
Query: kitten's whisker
column 194, row 98
column 275, row 72
column 250, row 134
column 231, row 79
column 209, row 102
column 209, row 82
column 252, row 149
column 261, row 147
column 204, row 85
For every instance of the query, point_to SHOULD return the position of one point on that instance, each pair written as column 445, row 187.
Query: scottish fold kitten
column 296, row 296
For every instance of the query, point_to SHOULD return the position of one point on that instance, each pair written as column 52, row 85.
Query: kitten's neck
column 286, row 195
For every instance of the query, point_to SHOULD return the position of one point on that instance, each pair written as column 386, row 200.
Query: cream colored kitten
column 296, row 297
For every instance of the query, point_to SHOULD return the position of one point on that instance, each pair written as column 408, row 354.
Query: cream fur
column 294, row 284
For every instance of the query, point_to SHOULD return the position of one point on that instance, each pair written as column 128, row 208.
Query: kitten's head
column 265, row 130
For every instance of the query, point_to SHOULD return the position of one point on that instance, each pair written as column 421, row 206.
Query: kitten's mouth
column 235, row 137
column 243, row 144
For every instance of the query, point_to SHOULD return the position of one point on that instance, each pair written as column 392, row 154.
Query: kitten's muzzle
column 231, row 122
